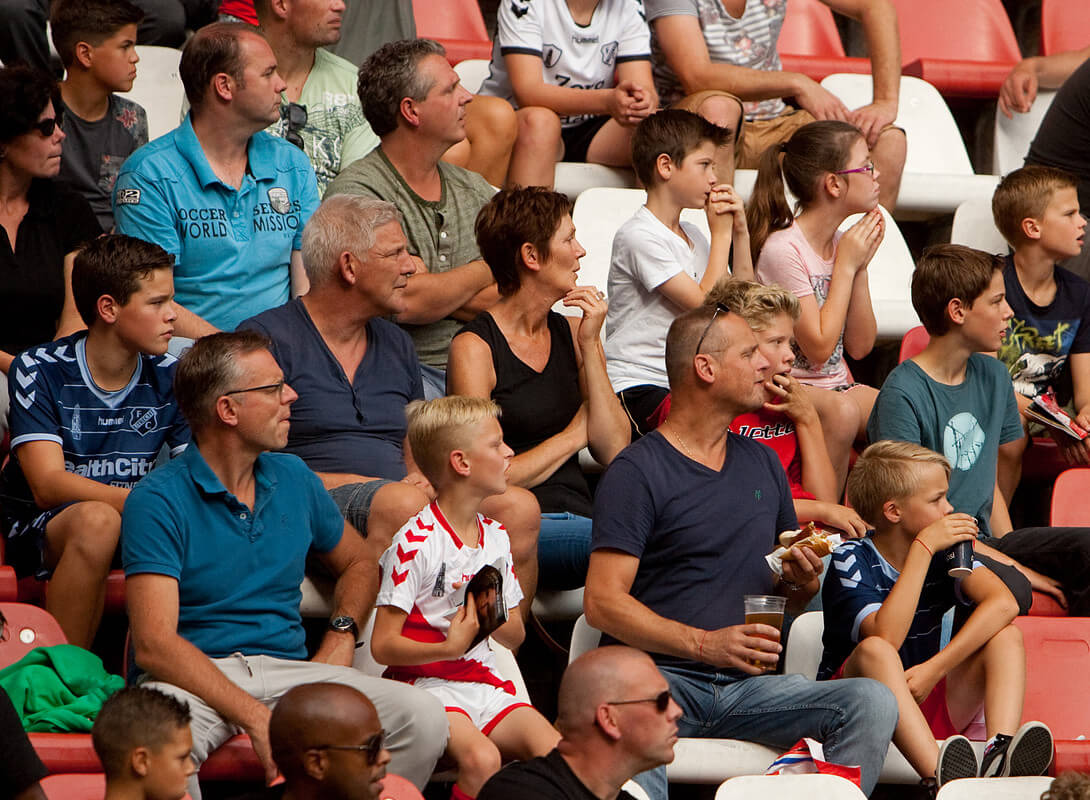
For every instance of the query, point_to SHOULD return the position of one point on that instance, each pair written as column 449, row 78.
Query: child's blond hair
column 437, row 427
column 1026, row 193
column 757, row 304
column 887, row 471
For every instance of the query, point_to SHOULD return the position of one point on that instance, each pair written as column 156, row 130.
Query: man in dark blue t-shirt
column 355, row 372
column 682, row 521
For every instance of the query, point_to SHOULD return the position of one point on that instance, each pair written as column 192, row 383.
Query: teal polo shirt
column 238, row 569
column 232, row 247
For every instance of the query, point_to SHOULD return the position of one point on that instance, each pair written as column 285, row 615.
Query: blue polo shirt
column 238, row 569
column 232, row 246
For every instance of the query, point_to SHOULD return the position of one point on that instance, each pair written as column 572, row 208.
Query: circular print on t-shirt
column 962, row 441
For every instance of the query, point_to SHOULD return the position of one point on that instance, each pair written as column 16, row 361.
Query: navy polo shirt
column 238, row 569
column 232, row 246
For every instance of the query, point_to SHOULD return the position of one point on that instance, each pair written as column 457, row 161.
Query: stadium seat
column 1064, row 26
column 964, row 48
column 1013, row 136
column 913, row 343
column 715, row 760
column 455, row 24
column 1057, row 662
column 75, row 787
column 558, row 605
column 762, row 787
column 890, row 274
column 1069, row 493
column 26, row 627
column 158, row 88
column 9, row 586
column 992, row 789
column 802, row 655
column 394, row 787
column 32, row 590
column 810, row 42
column 974, row 226
column 472, row 72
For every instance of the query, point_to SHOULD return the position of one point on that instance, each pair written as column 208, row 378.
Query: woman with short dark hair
column 546, row 371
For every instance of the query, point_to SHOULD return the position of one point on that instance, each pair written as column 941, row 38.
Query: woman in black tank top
column 547, row 371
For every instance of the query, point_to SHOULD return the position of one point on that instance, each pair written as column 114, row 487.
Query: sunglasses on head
column 371, row 748
column 661, row 701
column 46, row 126
column 719, row 308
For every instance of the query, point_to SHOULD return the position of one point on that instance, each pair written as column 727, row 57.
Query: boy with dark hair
column 142, row 738
column 96, row 40
column 89, row 414
column 662, row 266
column 955, row 399
column 450, row 567
column 1048, row 346
column 884, row 601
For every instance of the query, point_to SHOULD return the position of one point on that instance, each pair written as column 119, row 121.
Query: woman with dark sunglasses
column 44, row 222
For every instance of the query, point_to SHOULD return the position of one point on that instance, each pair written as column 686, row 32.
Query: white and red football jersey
column 424, row 573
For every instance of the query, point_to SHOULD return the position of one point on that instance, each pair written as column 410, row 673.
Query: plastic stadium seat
column 158, row 88
column 974, row 226
column 26, row 627
column 761, row 787
column 1064, row 26
column 913, row 343
column 802, row 655
column 394, row 787
column 810, row 43
column 32, row 590
column 963, row 47
column 75, row 787
column 9, row 586
column 472, row 73
column 992, row 789
column 715, row 760
column 455, row 24
column 1013, row 136
column 1057, row 662
column 1069, row 495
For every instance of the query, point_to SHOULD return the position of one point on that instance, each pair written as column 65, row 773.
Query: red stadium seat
column 74, row 787
column 810, row 43
column 1069, row 495
column 964, row 48
column 913, row 343
column 1057, row 662
column 455, row 24
column 1064, row 26
column 32, row 590
column 394, row 787
column 26, row 627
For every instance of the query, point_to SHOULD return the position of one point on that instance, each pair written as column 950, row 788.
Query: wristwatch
column 345, row 624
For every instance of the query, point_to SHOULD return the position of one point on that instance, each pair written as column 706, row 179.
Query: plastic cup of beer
column 764, row 609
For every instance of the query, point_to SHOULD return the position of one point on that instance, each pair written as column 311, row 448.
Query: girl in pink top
column 828, row 167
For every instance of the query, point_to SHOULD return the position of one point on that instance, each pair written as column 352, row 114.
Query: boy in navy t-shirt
column 884, row 601
column 89, row 414
column 1048, row 343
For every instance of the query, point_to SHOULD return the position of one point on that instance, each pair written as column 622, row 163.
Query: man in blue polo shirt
column 214, row 546
column 226, row 199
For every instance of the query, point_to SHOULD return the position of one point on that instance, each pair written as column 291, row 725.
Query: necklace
column 684, row 446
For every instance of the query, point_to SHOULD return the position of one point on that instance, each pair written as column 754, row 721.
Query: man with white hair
column 355, row 371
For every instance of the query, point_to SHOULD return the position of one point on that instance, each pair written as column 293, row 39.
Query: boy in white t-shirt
column 662, row 266
column 448, row 584
column 587, row 61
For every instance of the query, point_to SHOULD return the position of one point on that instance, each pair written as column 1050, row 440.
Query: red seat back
column 913, row 343
column 809, row 30
column 963, row 30
column 455, row 24
column 1069, row 495
column 74, row 787
column 394, row 787
column 1064, row 26
column 26, row 627
column 1057, row 663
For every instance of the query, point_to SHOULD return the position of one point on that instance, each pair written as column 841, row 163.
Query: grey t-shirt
column 93, row 152
column 440, row 233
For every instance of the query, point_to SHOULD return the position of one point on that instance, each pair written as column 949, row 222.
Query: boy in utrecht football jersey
column 587, row 61
column 447, row 584
column 89, row 414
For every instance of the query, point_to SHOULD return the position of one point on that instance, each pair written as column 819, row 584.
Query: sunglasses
column 371, row 748
column 46, row 126
column 296, row 116
column 661, row 701
column 700, row 342
column 268, row 387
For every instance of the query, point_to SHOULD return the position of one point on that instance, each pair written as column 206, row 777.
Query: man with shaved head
column 683, row 519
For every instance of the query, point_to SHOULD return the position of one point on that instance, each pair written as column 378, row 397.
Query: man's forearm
column 190, row 325
column 879, row 21
column 331, row 480
column 627, row 619
column 432, row 296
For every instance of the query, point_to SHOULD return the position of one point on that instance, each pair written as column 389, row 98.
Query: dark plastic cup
column 959, row 559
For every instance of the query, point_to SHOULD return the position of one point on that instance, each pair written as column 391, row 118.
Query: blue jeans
column 563, row 551
column 435, row 381
column 853, row 718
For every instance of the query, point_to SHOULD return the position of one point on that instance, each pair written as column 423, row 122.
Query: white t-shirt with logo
column 579, row 57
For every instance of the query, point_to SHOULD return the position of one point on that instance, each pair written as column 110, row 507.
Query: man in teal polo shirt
column 214, row 546
column 226, row 199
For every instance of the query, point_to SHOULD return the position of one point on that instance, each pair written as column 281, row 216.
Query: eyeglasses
column 700, row 342
column 296, row 116
column 371, row 748
column 46, row 126
column 661, row 701
column 278, row 387
column 868, row 168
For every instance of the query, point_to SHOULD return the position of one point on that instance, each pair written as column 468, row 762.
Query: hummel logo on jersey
column 849, row 580
column 398, row 577
column 519, row 11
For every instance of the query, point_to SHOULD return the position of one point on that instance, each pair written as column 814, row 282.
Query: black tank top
column 537, row 405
